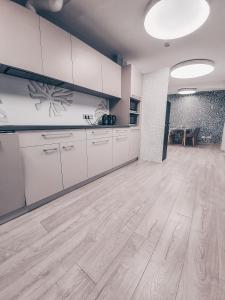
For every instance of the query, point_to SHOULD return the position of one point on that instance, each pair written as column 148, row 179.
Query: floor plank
column 146, row 231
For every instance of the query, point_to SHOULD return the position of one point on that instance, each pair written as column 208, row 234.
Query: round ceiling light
column 172, row 19
column 192, row 68
column 187, row 91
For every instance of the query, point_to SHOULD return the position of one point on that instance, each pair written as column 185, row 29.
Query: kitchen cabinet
column 74, row 162
column 43, row 176
column 99, row 133
column 131, row 83
column 35, row 138
column 99, row 152
column 20, row 45
column 128, row 110
column 120, row 150
column 56, row 51
column 134, row 143
column 136, row 83
column 87, row 70
column 111, row 77
column 12, row 175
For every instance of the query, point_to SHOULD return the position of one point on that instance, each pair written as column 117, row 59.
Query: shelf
column 132, row 112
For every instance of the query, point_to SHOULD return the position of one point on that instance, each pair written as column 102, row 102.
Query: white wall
column 23, row 102
column 155, row 89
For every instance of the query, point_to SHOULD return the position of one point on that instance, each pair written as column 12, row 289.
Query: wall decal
column 33, row 103
column 3, row 116
column 205, row 110
column 57, row 98
column 100, row 111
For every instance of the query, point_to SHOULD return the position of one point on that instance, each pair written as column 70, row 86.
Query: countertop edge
column 14, row 128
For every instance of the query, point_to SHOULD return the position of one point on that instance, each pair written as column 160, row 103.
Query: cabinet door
column 99, row 152
column 134, row 143
column 43, row 175
column 74, row 162
column 136, row 83
column 56, row 51
column 120, row 150
column 20, row 37
column 111, row 77
column 86, row 66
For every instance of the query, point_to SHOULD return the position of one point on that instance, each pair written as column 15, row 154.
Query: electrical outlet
column 88, row 117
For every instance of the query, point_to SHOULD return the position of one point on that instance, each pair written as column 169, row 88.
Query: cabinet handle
column 56, row 135
column 68, row 147
column 100, row 142
column 105, row 132
column 121, row 139
column 50, row 150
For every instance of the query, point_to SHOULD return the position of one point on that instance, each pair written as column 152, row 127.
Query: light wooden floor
column 145, row 232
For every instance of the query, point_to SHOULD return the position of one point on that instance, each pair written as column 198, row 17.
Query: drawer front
column 120, row 150
column 74, row 162
column 99, row 133
column 43, row 175
column 135, row 130
column 120, row 131
column 99, row 153
column 28, row 139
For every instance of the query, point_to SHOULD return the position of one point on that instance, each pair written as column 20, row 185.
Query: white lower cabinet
column 99, row 152
column 42, row 172
column 120, row 150
column 134, row 143
column 58, row 165
column 74, row 162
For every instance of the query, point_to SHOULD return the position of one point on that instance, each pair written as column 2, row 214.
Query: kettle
column 111, row 119
column 108, row 120
column 105, row 120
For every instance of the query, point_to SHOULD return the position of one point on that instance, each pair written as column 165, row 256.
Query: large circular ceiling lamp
column 187, row 91
column 172, row 19
column 192, row 68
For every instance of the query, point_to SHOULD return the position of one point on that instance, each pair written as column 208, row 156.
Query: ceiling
column 116, row 27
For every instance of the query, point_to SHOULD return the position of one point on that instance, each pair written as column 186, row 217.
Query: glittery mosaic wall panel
column 205, row 110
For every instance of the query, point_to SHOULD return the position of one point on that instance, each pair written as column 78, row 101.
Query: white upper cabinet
column 131, row 83
column 111, row 77
column 87, row 71
column 56, row 52
column 136, row 83
column 20, row 37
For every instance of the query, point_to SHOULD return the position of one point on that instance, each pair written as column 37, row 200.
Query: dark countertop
column 13, row 128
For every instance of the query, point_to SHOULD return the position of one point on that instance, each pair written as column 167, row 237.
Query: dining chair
column 191, row 137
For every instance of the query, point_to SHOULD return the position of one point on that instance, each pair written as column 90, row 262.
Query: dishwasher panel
column 12, row 184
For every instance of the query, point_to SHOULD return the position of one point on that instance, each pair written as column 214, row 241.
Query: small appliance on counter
column 108, row 119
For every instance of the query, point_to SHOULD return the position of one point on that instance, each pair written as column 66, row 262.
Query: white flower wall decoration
column 57, row 98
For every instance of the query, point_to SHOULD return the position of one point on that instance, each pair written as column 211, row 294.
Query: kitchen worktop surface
column 12, row 128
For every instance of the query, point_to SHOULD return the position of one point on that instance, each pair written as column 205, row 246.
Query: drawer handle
column 56, row 135
column 99, row 133
column 47, row 151
column 68, row 147
column 100, row 142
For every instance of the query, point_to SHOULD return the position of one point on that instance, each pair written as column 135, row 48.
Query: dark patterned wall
column 205, row 110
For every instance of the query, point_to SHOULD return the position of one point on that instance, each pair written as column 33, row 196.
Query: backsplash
column 205, row 110
column 24, row 102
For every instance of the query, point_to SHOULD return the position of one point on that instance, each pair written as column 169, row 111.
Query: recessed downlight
column 172, row 19
column 192, row 68
column 187, row 91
